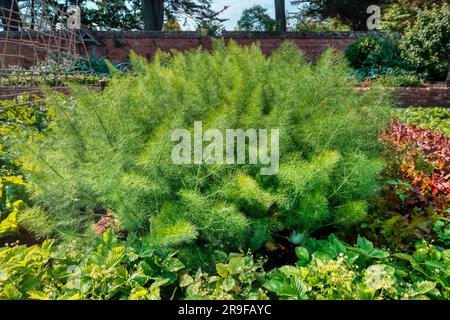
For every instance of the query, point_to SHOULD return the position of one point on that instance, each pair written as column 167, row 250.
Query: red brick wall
column 429, row 97
column 116, row 46
column 313, row 44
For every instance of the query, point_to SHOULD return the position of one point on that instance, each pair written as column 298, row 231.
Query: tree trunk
column 10, row 20
column 447, row 81
column 280, row 15
column 153, row 11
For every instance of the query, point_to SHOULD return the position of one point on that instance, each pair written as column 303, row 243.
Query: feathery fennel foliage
column 112, row 150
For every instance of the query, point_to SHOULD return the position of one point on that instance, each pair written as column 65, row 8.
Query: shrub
column 399, row 78
column 426, row 45
column 375, row 52
column 111, row 151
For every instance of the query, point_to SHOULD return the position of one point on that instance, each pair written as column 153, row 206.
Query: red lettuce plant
column 424, row 161
column 417, row 194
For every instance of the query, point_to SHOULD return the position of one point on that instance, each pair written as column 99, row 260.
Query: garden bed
column 91, row 175
column 11, row 92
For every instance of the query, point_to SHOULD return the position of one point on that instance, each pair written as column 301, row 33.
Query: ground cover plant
column 107, row 270
column 325, row 269
column 95, row 160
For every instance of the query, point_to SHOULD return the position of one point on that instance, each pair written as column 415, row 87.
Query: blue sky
column 233, row 13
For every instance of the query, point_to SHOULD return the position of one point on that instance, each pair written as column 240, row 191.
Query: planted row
column 326, row 269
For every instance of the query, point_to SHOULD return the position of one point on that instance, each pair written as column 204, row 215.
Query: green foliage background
column 426, row 45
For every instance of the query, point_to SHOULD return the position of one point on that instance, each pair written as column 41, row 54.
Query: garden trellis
column 39, row 39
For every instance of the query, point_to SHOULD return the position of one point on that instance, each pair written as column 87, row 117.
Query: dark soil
column 280, row 252
column 22, row 238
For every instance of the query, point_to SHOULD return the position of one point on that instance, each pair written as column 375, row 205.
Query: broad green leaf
column 423, row 287
column 222, row 270
column 35, row 295
column 236, row 265
column 302, row 255
column 186, row 280
column 228, row 284
column 366, row 248
column 9, row 225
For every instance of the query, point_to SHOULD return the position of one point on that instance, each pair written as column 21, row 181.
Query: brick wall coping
column 225, row 34
column 298, row 35
column 147, row 34
column 118, row 34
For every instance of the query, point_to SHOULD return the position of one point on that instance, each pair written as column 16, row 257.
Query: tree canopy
column 350, row 12
column 256, row 18
column 125, row 14
column 401, row 14
column 396, row 14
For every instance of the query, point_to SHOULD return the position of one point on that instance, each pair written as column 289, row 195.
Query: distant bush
column 378, row 58
column 399, row 78
column 317, row 25
column 398, row 17
column 375, row 52
column 111, row 151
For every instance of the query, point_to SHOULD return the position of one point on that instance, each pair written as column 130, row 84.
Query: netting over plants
column 39, row 40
